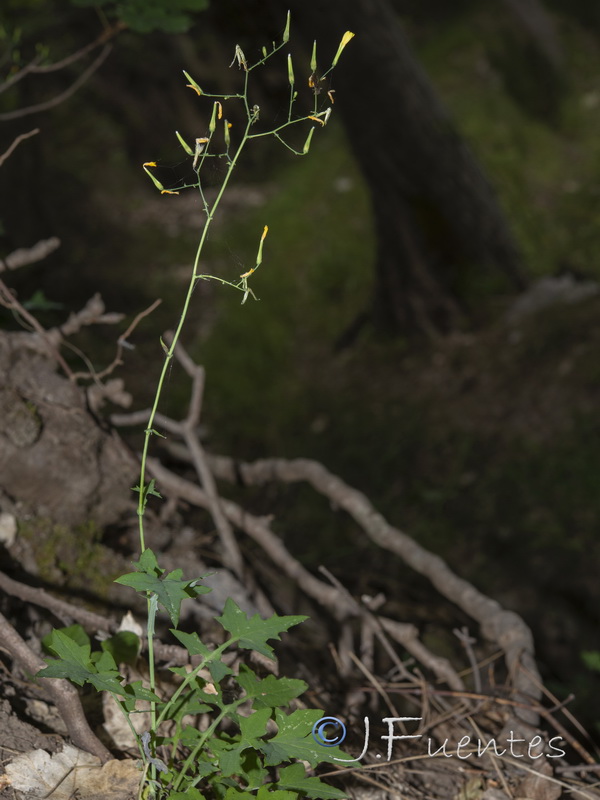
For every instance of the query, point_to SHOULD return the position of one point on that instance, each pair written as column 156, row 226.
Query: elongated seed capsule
column 286, row 33
column 184, row 144
column 306, row 147
column 213, row 120
column 192, row 84
column 155, row 181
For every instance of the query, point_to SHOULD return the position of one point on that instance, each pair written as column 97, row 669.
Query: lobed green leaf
column 170, row 590
column 295, row 778
column 271, row 692
column 294, row 740
column 254, row 632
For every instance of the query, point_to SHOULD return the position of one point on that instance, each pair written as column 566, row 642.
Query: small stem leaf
column 148, row 490
column 169, row 589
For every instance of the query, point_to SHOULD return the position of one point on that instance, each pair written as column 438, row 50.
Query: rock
column 56, row 460
column 550, row 291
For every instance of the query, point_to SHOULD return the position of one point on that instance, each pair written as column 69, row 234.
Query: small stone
column 8, row 529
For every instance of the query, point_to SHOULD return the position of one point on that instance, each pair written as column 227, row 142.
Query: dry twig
column 59, row 98
column 16, row 142
column 60, row 608
column 8, row 300
column 258, row 529
column 87, row 619
column 29, row 255
column 187, row 430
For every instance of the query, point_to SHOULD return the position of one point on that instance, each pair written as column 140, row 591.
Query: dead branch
column 8, row 300
column 60, row 608
column 467, row 642
column 501, row 626
column 325, row 595
column 20, row 74
column 93, row 313
column 232, row 556
column 87, row 619
column 179, row 429
column 187, row 430
column 59, row 98
column 34, row 66
column 16, row 142
column 122, row 343
column 28, row 255
column 404, row 634
column 63, row 693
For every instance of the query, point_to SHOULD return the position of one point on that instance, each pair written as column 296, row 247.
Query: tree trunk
column 436, row 216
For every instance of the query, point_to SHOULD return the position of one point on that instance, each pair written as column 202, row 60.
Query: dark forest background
column 428, row 317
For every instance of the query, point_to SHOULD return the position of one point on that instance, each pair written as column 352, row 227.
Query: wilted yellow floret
column 239, row 57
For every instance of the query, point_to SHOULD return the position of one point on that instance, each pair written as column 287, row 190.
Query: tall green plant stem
column 170, row 350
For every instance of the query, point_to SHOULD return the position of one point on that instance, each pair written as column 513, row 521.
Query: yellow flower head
column 345, row 39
